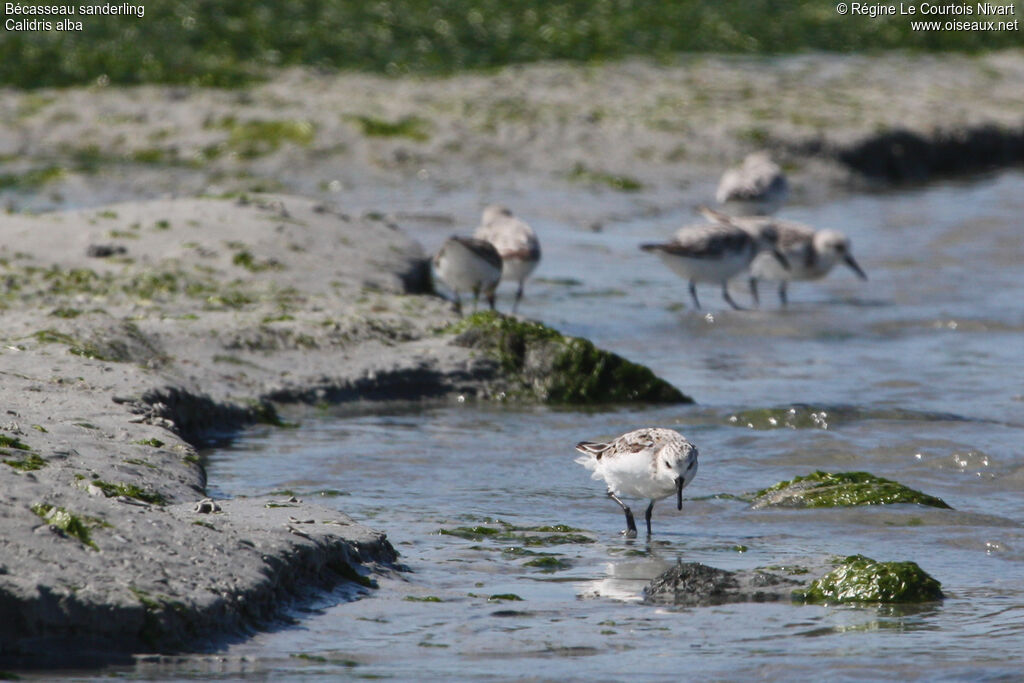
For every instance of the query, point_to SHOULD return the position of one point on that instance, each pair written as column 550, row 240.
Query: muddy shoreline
column 134, row 330
column 633, row 136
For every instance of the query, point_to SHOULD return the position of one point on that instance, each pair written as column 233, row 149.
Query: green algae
column 558, row 534
column 228, row 299
column 31, row 179
column 841, row 489
column 258, row 137
column 547, row 563
column 70, row 524
column 90, row 351
column 504, row 597
column 426, row 598
column 860, row 579
column 622, row 183
column 111, row 490
column 543, row 364
column 12, row 442
column 474, row 533
column 409, row 127
column 50, row 336
column 245, row 259
column 309, row 658
column 155, row 443
column 319, row 659
column 30, row 462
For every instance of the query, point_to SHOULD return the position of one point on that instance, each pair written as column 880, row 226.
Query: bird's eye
column 668, row 464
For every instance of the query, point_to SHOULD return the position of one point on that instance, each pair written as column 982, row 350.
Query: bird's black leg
column 782, row 293
column 630, row 531
column 519, row 295
column 458, row 304
column 647, row 516
column 490, row 299
column 753, row 291
column 693, row 293
column 476, row 297
column 725, row 295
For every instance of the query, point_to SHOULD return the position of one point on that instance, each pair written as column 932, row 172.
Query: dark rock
column 692, row 584
column 902, row 155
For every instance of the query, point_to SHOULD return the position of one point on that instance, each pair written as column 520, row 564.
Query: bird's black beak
column 848, row 260
column 781, row 258
column 680, row 482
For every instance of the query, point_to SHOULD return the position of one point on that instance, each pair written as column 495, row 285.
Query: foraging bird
column 515, row 241
column 757, row 186
column 469, row 264
column 715, row 252
column 651, row 463
column 811, row 253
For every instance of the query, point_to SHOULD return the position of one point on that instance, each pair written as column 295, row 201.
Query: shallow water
column 914, row 375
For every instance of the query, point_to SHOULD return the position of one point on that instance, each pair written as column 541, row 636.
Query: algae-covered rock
column 861, row 579
column 826, row 489
column 542, row 364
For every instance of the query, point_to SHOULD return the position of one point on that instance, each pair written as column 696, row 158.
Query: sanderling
column 469, row 264
column 811, row 253
column 650, row 463
column 757, row 186
column 715, row 252
column 515, row 241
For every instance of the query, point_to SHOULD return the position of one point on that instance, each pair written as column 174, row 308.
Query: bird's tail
column 592, row 452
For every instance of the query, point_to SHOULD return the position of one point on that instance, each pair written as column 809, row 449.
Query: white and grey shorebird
column 515, row 240
column 651, row 463
column 467, row 264
column 811, row 253
column 716, row 252
column 756, row 186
